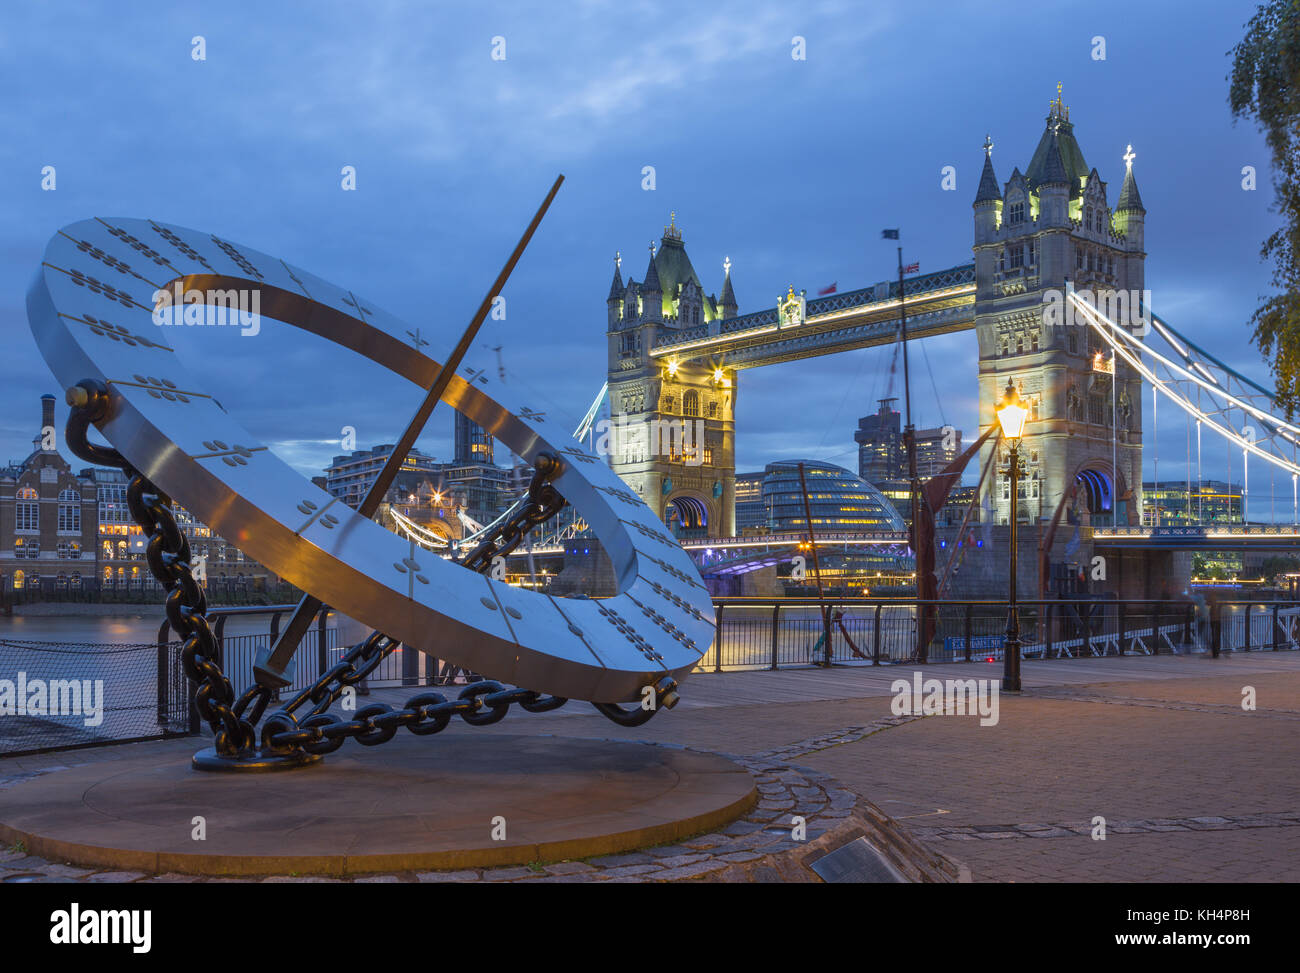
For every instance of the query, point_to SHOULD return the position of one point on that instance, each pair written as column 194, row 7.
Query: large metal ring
column 91, row 309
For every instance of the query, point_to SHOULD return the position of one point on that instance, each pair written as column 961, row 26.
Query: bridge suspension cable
column 1189, row 368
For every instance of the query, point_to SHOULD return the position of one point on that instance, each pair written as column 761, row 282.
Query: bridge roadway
column 938, row 303
column 738, row 555
column 1207, row 537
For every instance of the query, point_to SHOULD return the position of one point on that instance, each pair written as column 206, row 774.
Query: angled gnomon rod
column 272, row 670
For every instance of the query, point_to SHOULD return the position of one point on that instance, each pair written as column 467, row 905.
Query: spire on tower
column 1129, row 197
column 728, row 295
column 651, row 274
column 670, row 231
column 616, row 286
column 988, row 189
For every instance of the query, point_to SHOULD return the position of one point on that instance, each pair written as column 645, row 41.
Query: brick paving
column 1192, row 787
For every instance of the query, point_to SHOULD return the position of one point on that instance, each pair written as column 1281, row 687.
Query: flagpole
column 909, row 431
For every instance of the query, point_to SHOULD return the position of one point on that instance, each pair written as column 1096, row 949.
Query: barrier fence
column 56, row 696
column 755, row 633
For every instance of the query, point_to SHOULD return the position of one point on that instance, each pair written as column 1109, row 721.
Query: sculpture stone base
column 458, row 801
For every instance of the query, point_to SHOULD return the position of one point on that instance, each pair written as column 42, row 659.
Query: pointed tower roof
column 616, row 285
column 1054, row 172
column 988, row 190
column 651, row 283
column 1129, row 198
column 1058, row 134
column 673, row 268
column 728, row 295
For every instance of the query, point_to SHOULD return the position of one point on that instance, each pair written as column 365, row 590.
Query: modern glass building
column 751, row 516
column 1207, row 502
column 837, row 499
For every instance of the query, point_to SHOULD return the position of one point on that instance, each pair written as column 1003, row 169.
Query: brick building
column 66, row 532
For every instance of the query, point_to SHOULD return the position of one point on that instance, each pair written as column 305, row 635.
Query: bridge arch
column 1104, row 494
column 688, row 514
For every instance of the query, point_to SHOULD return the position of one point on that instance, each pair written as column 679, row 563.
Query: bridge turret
column 615, row 300
column 727, row 305
column 652, row 294
column 1130, row 214
column 988, row 200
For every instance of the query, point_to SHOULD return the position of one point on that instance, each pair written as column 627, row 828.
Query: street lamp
column 1011, row 417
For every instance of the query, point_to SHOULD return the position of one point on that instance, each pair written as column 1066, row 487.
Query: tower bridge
column 675, row 352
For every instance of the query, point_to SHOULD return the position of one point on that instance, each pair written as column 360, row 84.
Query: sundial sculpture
column 91, row 309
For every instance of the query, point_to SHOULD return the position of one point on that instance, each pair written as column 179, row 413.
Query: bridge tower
column 1044, row 231
column 673, row 424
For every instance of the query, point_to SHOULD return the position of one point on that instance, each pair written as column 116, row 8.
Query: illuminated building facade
column 1209, row 502
column 838, row 500
column 62, row 532
column 687, row 476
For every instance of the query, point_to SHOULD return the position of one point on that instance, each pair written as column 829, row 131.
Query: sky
column 789, row 167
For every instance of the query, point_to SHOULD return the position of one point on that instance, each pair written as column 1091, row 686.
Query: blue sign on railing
column 980, row 643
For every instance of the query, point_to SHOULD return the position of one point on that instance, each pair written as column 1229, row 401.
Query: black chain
column 541, row 503
column 168, row 555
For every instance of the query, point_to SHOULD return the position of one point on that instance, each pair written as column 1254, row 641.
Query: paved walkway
column 1190, row 786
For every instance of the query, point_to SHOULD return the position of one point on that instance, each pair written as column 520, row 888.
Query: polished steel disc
column 92, row 311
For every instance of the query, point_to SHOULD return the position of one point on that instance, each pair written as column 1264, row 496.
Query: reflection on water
column 111, row 629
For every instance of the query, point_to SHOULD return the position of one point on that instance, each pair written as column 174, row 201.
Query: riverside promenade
column 1188, row 785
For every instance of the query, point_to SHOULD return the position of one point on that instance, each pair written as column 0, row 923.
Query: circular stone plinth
column 411, row 804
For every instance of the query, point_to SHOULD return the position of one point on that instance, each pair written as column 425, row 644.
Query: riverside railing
column 756, row 633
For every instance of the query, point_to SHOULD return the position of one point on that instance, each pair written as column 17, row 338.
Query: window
column 708, row 455
column 691, row 403
column 713, row 410
column 1074, row 343
column 1078, row 258
column 70, row 512
column 75, row 580
column 1017, row 213
column 668, row 405
column 27, row 511
column 1017, row 257
column 20, row 579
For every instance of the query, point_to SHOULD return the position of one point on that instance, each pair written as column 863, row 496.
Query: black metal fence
column 56, row 697
column 771, row 634
column 64, row 695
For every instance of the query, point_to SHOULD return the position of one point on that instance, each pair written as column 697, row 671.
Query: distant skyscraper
column 882, row 454
column 473, row 444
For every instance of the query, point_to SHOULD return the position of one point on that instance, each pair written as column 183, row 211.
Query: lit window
column 27, row 514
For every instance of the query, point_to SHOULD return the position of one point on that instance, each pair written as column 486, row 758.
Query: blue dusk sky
column 791, row 168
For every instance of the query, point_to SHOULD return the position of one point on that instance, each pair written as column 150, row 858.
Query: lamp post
column 1011, row 417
